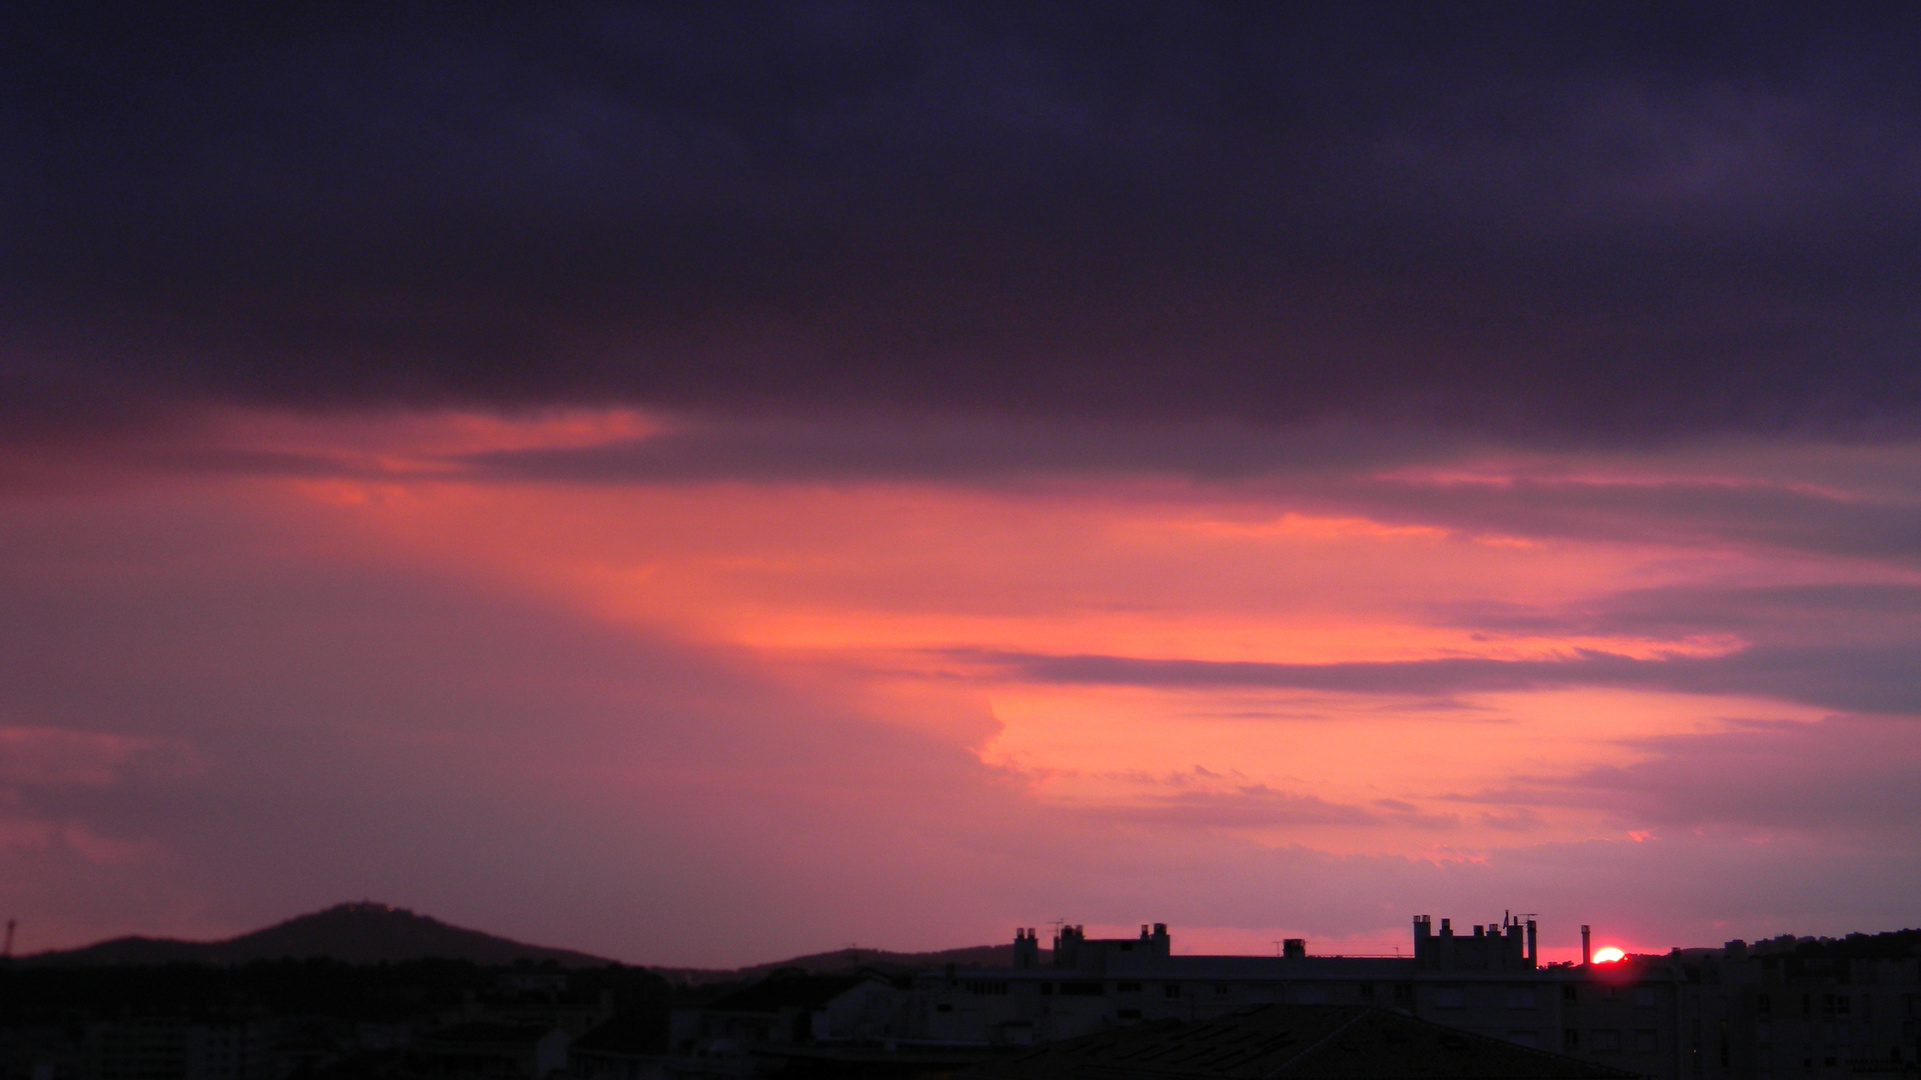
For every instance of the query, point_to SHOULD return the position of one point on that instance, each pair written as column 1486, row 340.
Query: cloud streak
column 1856, row 678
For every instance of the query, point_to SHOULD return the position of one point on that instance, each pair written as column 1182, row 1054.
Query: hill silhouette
column 370, row 933
column 893, row 963
column 358, row 933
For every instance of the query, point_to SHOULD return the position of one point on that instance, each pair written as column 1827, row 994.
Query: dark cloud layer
column 1550, row 221
column 1879, row 678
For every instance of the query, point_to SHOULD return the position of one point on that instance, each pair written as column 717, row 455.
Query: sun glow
column 1609, row 955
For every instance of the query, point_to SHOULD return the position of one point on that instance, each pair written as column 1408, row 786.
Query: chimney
column 1533, row 947
column 1587, row 946
column 1027, row 947
column 1294, row 948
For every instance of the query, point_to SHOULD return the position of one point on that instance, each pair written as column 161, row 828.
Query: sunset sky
column 700, row 484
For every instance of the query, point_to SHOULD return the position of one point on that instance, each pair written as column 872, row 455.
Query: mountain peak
column 360, row 932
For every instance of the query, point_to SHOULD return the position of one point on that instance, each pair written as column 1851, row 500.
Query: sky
column 701, row 484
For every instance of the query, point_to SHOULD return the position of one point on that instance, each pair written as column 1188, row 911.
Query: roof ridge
column 1318, row 1043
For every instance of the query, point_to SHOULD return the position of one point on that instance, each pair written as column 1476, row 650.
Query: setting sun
column 1608, row 955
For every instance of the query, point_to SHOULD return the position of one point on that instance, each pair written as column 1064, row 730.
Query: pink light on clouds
column 1307, row 698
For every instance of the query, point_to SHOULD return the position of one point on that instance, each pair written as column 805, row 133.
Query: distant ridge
column 360, row 933
column 849, row 959
column 370, row 933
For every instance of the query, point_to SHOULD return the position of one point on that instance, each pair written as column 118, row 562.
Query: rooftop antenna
column 1277, row 948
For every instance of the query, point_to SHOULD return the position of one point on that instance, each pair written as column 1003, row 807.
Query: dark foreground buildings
column 1289, row 1042
column 1469, row 1002
column 1781, row 1010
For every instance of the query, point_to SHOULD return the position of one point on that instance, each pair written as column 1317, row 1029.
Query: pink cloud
column 771, row 712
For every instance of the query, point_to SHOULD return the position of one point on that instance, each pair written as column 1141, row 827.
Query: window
column 1129, row 1014
column 1128, row 987
column 1570, row 1040
column 1570, row 993
column 1843, row 1004
column 986, row 986
column 1310, row 995
column 1367, row 991
column 1644, row 997
column 1083, row 989
column 943, row 1007
column 1762, row 1004
column 1520, row 997
column 1220, row 988
column 1523, row 1038
column 1647, row 1041
column 1606, row 1041
column 1173, row 989
column 1404, row 994
column 1450, row 997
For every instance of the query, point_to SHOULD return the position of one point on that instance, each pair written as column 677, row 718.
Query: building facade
column 1782, row 1010
column 1486, row 980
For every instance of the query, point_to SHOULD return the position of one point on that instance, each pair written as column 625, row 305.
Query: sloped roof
column 1314, row 1041
column 625, row 1033
column 789, row 992
column 485, row 1032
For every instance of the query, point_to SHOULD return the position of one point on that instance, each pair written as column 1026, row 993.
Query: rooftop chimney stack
column 1027, row 947
column 1587, row 946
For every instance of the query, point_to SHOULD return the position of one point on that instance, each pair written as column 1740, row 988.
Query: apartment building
column 1487, row 980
